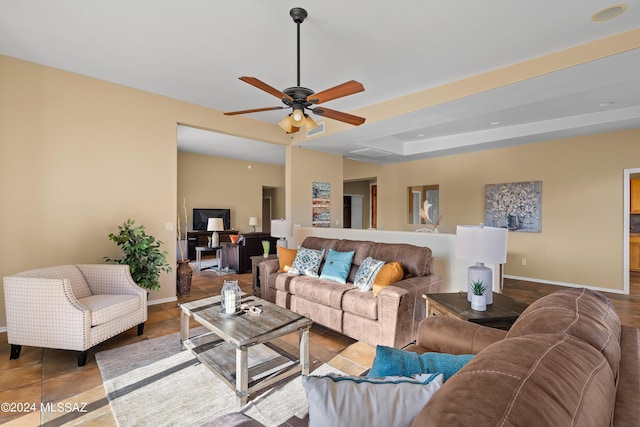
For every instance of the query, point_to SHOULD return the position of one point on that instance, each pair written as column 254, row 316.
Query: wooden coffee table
column 225, row 348
column 501, row 314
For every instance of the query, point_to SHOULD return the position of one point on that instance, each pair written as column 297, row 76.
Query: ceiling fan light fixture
column 286, row 124
column 309, row 123
column 297, row 117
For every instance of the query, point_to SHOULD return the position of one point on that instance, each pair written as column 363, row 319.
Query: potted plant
column 184, row 273
column 141, row 252
column 478, row 301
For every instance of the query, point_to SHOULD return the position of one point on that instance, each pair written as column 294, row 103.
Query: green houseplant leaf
column 141, row 252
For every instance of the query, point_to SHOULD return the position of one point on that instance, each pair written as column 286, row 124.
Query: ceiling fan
column 300, row 99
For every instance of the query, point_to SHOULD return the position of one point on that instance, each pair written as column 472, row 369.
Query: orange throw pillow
column 286, row 257
column 390, row 273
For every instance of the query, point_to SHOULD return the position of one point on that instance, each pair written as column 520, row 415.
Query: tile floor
column 52, row 376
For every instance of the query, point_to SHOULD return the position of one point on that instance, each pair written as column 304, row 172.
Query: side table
column 200, row 249
column 255, row 270
column 501, row 314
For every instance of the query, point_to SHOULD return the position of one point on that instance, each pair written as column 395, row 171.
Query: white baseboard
column 162, row 301
column 571, row 285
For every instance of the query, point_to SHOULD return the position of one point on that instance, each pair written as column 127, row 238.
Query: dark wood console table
column 201, row 238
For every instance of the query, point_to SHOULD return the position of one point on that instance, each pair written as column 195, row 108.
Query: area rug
column 154, row 383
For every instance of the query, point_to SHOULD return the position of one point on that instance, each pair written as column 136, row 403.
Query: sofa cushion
column 307, row 262
column 105, row 308
column 363, row 304
column 582, row 313
column 394, row 361
column 337, row 266
column 321, row 291
column 78, row 283
column 416, row 260
column 541, row 380
column 358, row 401
column 286, row 257
column 390, row 273
column 366, row 273
column 361, row 250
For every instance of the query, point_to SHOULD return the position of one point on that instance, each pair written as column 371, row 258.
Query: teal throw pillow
column 307, row 262
column 337, row 266
column 366, row 273
column 393, row 362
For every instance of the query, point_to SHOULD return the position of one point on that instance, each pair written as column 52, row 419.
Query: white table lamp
column 215, row 225
column 482, row 245
column 253, row 221
column 282, row 228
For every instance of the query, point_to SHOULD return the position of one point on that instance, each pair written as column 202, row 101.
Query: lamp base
column 282, row 242
column 215, row 239
column 480, row 272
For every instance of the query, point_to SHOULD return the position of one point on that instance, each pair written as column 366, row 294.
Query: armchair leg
column 82, row 357
column 15, row 351
column 140, row 328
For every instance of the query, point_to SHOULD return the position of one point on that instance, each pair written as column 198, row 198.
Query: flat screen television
column 201, row 217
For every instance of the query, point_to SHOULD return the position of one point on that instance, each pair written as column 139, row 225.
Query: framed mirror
column 423, row 204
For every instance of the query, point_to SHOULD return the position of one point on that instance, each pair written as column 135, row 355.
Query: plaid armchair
column 72, row 307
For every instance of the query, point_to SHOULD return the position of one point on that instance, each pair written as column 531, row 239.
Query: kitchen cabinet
column 634, row 253
column 635, row 196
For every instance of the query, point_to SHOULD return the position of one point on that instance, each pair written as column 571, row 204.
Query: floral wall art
column 321, row 204
column 516, row 206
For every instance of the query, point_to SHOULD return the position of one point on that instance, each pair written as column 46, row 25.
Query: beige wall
column 215, row 182
column 582, row 201
column 78, row 156
column 304, row 167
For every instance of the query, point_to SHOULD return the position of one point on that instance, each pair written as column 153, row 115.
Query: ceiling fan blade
column 348, row 88
column 254, row 110
column 338, row 115
column 265, row 87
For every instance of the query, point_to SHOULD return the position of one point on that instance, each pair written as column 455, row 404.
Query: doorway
column 631, row 278
column 266, row 214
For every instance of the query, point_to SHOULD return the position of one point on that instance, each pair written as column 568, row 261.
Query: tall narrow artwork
column 516, row 206
column 321, row 204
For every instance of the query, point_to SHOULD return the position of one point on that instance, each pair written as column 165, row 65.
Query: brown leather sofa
column 389, row 319
column 566, row 361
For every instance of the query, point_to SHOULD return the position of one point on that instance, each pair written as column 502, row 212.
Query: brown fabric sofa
column 389, row 319
column 567, row 361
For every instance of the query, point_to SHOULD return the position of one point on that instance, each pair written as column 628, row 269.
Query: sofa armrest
column 268, row 268
column 110, row 279
column 400, row 308
column 454, row 336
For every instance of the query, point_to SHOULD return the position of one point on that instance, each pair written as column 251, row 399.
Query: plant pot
column 184, row 274
column 478, row 303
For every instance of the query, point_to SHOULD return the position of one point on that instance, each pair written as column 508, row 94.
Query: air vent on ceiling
column 369, row 152
column 317, row 130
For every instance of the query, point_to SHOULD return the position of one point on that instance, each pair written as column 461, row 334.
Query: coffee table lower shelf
column 265, row 365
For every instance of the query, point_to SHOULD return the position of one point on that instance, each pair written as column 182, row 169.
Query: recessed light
column 420, row 135
column 494, row 123
column 606, row 104
column 609, row 13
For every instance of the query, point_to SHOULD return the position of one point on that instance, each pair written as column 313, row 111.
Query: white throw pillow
column 366, row 273
column 336, row 400
column 307, row 262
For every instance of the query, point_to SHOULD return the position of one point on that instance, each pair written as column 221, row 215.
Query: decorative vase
column 513, row 223
column 184, row 274
column 234, row 238
column 265, row 248
column 478, row 303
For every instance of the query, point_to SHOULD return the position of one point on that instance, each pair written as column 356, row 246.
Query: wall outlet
column 524, row 261
column 168, row 226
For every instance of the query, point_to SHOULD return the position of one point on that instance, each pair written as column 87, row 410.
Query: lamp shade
column 282, row 228
column 215, row 224
column 482, row 244
column 253, row 220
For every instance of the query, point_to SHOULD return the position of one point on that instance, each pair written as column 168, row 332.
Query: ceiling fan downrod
column 298, row 14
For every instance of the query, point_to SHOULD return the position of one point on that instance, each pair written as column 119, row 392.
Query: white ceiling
column 196, row 50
